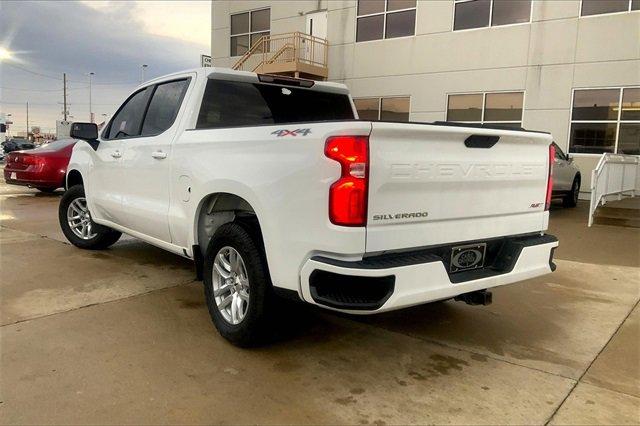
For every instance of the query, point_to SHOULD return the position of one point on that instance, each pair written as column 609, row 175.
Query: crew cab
column 274, row 187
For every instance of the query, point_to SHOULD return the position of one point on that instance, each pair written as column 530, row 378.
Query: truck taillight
column 552, row 156
column 348, row 195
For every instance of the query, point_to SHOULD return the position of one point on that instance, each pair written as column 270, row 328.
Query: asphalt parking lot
column 123, row 336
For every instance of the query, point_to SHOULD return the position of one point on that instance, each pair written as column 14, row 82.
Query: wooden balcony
column 292, row 54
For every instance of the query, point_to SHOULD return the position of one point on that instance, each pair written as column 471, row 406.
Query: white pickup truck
column 274, row 187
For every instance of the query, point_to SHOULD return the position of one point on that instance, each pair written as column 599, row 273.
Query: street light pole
column 90, row 107
column 142, row 68
column 27, row 120
column 64, row 96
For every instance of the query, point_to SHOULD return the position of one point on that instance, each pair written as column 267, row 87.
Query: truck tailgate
column 427, row 186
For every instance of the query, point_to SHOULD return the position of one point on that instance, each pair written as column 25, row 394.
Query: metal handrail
column 295, row 47
column 249, row 53
column 615, row 176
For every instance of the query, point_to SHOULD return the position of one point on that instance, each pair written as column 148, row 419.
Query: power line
column 113, row 83
column 21, row 89
column 32, row 72
column 56, row 103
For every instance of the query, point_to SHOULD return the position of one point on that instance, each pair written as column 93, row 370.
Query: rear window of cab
column 237, row 104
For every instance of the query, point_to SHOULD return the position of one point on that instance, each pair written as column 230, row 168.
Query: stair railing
column 284, row 48
column 616, row 176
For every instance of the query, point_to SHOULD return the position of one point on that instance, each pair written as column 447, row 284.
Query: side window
column 164, row 107
column 395, row 108
column 128, row 119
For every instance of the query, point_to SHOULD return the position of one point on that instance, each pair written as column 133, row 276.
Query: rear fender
column 223, row 186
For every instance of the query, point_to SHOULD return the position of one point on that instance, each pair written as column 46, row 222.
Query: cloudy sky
column 112, row 39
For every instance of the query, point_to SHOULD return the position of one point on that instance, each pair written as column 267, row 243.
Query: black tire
column 46, row 190
column 571, row 199
column 104, row 237
column 254, row 328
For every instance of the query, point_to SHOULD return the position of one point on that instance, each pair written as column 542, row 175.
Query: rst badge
column 285, row 132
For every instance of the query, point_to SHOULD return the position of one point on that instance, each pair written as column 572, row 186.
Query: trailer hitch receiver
column 480, row 297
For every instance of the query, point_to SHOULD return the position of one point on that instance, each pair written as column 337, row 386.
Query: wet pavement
column 123, row 336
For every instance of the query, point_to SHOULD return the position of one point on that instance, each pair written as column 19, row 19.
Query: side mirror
column 86, row 131
column 569, row 158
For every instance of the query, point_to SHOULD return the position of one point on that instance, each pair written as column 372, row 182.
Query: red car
column 43, row 168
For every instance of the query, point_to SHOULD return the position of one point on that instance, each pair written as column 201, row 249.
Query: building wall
column 556, row 52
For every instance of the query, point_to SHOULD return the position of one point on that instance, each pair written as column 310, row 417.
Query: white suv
column 566, row 178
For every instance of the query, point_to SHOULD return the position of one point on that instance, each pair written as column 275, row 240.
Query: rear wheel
column 571, row 199
column 77, row 225
column 237, row 286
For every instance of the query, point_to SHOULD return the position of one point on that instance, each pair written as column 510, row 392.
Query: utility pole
column 90, row 108
column 64, row 95
column 27, row 120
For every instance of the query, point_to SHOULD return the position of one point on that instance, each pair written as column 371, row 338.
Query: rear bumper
column 34, row 179
column 33, row 183
column 388, row 282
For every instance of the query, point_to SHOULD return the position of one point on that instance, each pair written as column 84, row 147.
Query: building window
column 605, row 120
column 247, row 28
column 490, row 13
column 378, row 19
column 503, row 108
column 394, row 108
column 599, row 7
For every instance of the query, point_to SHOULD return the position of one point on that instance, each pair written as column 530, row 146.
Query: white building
column 569, row 67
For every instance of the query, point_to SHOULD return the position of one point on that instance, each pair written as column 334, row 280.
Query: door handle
column 116, row 154
column 159, row 155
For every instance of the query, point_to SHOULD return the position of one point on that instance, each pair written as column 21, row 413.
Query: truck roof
column 230, row 74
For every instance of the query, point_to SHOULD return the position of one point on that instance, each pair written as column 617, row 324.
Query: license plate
column 470, row 256
column 13, row 175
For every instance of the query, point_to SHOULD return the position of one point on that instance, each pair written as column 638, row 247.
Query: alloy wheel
column 230, row 285
column 79, row 219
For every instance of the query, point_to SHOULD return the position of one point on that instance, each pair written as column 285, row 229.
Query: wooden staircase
column 292, row 54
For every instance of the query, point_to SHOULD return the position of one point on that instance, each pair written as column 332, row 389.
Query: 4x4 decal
column 296, row 132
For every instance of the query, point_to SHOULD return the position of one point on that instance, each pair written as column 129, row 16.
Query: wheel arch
column 218, row 208
column 74, row 177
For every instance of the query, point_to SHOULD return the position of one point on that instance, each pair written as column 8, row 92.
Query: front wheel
column 237, row 286
column 77, row 226
column 571, row 199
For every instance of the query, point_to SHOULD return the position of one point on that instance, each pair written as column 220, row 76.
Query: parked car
column 274, row 187
column 566, row 178
column 43, row 168
column 17, row 145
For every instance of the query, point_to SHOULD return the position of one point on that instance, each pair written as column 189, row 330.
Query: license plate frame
column 465, row 257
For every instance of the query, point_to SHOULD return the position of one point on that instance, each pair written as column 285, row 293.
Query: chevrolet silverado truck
column 274, row 187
